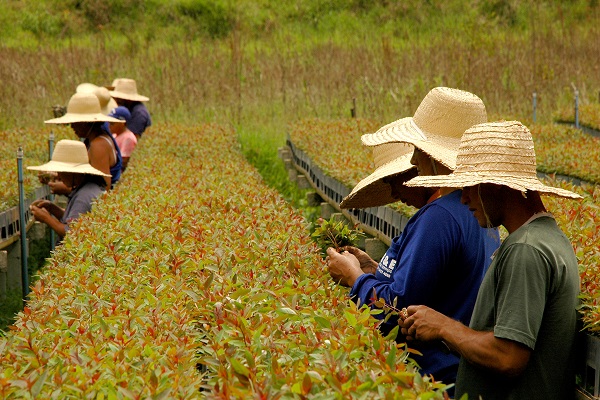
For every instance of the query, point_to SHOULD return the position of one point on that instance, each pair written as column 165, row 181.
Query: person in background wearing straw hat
column 384, row 186
column 107, row 103
column 125, row 93
column 70, row 162
column 86, row 119
column 126, row 140
column 521, row 339
column 442, row 254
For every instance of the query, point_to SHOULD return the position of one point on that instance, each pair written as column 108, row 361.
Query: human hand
column 59, row 187
column 423, row 323
column 367, row 264
column 343, row 267
column 46, row 177
column 40, row 213
column 41, row 203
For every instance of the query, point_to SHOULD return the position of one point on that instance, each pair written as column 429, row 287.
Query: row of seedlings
column 194, row 279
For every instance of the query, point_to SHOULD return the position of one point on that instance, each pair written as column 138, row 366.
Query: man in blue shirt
column 442, row 254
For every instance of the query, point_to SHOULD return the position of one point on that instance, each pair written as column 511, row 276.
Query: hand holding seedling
column 59, row 187
column 40, row 210
column 367, row 264
column 423, row 323
column 343, row 267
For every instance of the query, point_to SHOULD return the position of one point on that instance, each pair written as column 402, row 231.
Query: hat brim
column 128, row 96
column 404, row 130
column 57, row 166
column 462, row 180
column 372, row 191
column 70, row 118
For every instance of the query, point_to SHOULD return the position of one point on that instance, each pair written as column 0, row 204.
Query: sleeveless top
column 115, row 169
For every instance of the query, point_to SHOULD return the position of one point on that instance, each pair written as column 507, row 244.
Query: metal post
column 22, row 226
column 50, row 151
column 576, row 109
column 534, row 105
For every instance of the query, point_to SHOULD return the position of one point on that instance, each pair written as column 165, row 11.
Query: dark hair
column 97, row 179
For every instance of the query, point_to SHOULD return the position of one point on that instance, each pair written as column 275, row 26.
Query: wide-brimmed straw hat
column 437, row 125
column 69, row 156
column 390, row 159
column 82, row 107
column 107, row 103
column 113, row 84
column 127, row 89
column 501, row 153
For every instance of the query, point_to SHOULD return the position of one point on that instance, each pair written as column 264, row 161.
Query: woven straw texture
column 69, row 156
column 501, row 153
column 437, row 125
column 127, row 89
column 107, row 103
column 389, row 159
column 82, row 107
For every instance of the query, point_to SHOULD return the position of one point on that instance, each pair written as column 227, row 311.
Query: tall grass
column 208, row 81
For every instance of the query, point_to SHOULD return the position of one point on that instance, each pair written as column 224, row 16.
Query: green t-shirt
column 529, row 295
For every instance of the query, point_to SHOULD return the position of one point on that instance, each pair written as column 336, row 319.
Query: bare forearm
column 484, row 349
column 56, row 210
column 57, row 226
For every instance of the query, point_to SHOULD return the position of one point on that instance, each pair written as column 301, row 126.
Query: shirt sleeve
column 523, row 279
column 81, row 205
column 128, row 145
column 428, row 244
column 140, row 120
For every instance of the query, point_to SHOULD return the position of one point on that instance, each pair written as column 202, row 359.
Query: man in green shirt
column 521, row 338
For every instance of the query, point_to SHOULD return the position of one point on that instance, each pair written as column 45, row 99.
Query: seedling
column 334, row 233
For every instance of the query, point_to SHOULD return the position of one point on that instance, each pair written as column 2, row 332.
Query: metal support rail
column 381, row 222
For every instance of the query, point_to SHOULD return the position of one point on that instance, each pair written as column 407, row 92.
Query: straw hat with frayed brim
column 107, row 103
column 82, row 107
column 390, row 159
column 437, row 125
column 69, row 156
column 501, row 153
column 113, row 84
column 127, row 89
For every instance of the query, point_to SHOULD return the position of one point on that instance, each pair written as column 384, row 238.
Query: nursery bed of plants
column 193, row 264
column 589, row 115
column 567, row 151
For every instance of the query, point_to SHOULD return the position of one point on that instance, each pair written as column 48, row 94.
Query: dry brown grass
column 236, row 80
